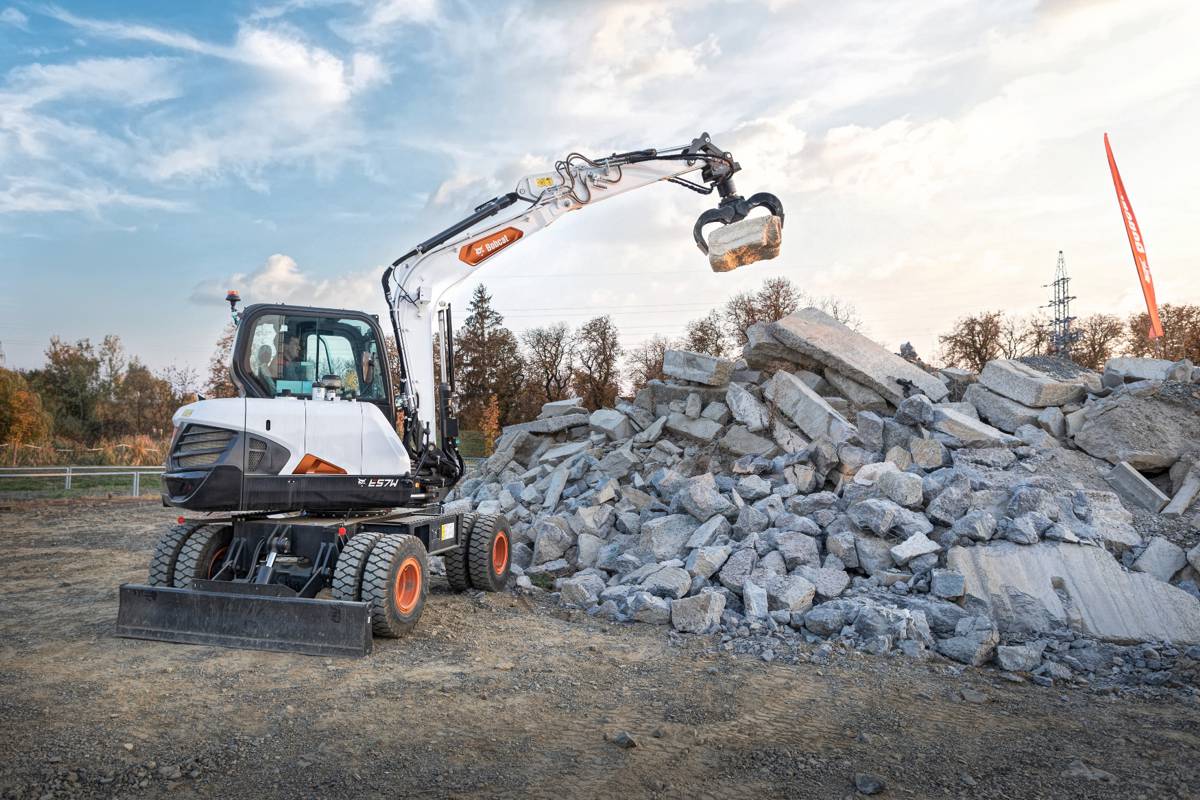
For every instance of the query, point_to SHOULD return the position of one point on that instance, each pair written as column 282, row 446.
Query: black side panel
column 251, row 621
column 329, row 492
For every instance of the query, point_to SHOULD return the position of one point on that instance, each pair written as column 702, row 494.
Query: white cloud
column 280, row 280
column 38, row 196
column 13, row 16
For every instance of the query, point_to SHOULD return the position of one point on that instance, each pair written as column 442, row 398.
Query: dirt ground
column 507, row 696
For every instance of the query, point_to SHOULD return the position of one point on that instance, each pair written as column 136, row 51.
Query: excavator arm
column 415, row 283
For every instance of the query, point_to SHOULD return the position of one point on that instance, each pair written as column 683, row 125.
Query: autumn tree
column 597, row 350
column 548, row 360
column 488, row 364
column 1181, row 333
column 1099, row 339
column 23, row 420
column 707, row 335
column 645, row 362
column 220, row 382
column 1020, row 337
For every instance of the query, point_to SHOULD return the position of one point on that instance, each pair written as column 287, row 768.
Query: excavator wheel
column 166, row 554
column 489, row 553
column 396, row 584
column 351, row 564
column 457, row 574
column 202, row 555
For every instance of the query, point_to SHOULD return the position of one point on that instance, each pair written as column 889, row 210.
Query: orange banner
column 1135, row 244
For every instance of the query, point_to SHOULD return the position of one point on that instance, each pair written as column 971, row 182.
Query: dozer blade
column 244, row 617
column 741, row 243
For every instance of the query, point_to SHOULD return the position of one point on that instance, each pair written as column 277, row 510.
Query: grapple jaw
column 741, row 239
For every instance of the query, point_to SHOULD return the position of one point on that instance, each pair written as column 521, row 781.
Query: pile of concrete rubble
column 822, row 489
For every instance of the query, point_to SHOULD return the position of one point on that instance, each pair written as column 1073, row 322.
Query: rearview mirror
column 368, row 369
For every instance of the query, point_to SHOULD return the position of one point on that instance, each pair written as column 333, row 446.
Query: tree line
column 89, row 403
column 504, row 378
column 976, row 339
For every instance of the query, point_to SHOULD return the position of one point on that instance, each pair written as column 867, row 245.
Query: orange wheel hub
column 217, row 560
column 500, row 552
column 408, row 585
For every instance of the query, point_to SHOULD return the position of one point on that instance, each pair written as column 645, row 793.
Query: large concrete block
column 998, row 410
column 806, row 408
column 1150, row 427
column 1162, row 558
column 756, row 238
column 740, row 441
column 556, row 408
column 697, row 367
column 862, row 398
column 611, row 423
column 1141, row 369
column 967, row 431
column 703, row 429
column 747, row 409
column 822, row 338
column 1021, row 587
column 1028, row 386
column 1134, row 489
column 1188, row 489
column 549, row 425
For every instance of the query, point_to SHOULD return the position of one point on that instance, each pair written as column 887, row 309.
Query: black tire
column 457, row 574
column 489, row 553
column 396, row 584
column 351, row 564
column 166, row 554
column 202, row 555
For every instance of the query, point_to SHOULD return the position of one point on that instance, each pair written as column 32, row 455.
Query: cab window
column 289, row 354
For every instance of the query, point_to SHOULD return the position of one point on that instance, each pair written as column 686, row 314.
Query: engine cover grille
column 200, row 446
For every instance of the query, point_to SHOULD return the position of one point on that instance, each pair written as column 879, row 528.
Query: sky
column 932, row 158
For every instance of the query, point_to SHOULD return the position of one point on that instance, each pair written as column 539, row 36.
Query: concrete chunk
column 697, row 367
column 756, row 238
column 1161, row 558
column 558, row 408
column 611, row 423
column 1028, row 386
column 747, row 409
column 1185, row 494
column 862, row 398
column 740, row 441
column 820, row 337
column 812, row 415
column 998, row 410
column 700, row 613
column 969, row 432
column 1023, row 587
column 1134, row 489
column 1140, row 369
column 550, row 424
column 703, row 429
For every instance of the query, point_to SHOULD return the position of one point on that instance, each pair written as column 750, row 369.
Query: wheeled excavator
column 312, row 501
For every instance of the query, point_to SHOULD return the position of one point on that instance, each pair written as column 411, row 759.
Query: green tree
column 69, row 385
column 488, row 364
column 220, row 382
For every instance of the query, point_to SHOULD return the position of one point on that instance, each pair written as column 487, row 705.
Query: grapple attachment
column 741, row 239
column 252, row 616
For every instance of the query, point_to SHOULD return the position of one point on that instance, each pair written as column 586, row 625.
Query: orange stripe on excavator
column 311, row 465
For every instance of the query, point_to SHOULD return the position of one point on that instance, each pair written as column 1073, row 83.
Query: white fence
column 68, row 474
